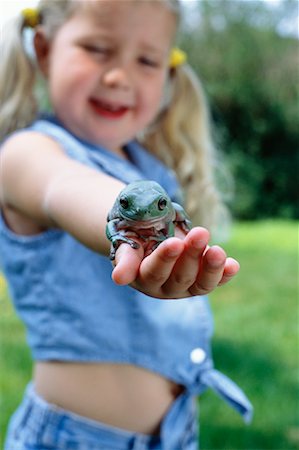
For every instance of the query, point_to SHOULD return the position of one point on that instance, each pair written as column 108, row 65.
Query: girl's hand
column 178, row 268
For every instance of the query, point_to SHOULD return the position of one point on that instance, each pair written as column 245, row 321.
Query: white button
column 197, row 355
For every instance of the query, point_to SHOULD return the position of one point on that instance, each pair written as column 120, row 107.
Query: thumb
column 127, row 262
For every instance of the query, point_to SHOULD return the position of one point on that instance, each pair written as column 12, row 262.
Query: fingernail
column 217, row 263
column 172, row 252
column 198, row 243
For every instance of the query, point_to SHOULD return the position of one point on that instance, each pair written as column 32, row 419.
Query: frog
column 144, row 210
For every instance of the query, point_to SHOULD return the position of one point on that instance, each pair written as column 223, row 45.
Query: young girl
column 115, row 367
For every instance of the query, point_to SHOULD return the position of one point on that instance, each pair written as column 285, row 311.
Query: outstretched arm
column 40, row 185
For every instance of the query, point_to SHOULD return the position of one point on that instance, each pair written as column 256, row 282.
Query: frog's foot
column 181, row 218
column 151, row 245
column 185, row 225
column 117, row 241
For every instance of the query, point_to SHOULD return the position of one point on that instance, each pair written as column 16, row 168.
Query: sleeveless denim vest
column 73, row 311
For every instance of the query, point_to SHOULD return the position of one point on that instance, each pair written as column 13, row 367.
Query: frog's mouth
column 156, row 222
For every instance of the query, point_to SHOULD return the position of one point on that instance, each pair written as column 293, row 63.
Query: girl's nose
column 117, row 77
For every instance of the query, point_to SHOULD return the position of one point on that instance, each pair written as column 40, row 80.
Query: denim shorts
column 38, row 425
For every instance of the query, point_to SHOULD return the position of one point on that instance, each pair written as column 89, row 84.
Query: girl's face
column 106, row 68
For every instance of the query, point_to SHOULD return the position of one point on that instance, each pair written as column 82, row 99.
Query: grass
column 15, row 361
column 255, row 343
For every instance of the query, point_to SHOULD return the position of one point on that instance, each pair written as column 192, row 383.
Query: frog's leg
column 117, row 241
column 112, row 228
column 117, row 237
column 160, row 236
column 170, row 229
column 181, row 218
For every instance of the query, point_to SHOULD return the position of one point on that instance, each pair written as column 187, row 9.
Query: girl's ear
column 42, row 51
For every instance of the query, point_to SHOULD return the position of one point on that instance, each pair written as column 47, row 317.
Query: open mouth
column 108, row 110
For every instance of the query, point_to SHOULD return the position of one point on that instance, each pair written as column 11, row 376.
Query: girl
column 115, row 368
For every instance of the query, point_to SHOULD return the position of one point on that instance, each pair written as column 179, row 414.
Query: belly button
column 177, row 389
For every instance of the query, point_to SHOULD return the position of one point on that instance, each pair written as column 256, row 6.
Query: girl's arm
column 39, row 181
column 41, row 184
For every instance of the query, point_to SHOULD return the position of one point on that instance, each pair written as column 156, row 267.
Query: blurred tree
column 250, row 71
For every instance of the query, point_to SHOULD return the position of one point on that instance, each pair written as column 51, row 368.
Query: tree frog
column 144, row 210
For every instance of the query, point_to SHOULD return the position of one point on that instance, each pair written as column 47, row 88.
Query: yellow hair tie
column 177, row 58
column 31, row 17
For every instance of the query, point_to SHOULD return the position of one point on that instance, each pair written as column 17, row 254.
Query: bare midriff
column 119, row 395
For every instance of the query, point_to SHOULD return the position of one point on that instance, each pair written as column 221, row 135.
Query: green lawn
column 255, row 343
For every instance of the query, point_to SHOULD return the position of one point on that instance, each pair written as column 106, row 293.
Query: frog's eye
column 124, row 203
column 162, row 203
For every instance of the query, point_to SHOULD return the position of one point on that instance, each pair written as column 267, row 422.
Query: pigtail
column 182, row 139
column 17, row 78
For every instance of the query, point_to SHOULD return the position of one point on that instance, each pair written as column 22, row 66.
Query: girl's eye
column 148, row 62
column 97, row 50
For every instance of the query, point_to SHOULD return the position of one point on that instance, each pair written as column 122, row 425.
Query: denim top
column 72, row 309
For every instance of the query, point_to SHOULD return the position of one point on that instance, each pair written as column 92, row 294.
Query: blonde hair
column 17, row 76
column 180, row 137
column 18, row 72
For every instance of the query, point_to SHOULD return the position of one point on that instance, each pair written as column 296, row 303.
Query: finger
column 211, row 271
column 127, row 262
column 156, row 268
column 231, row 268
column 187, row 266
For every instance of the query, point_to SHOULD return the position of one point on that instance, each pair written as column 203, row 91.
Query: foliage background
column 250, row 70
